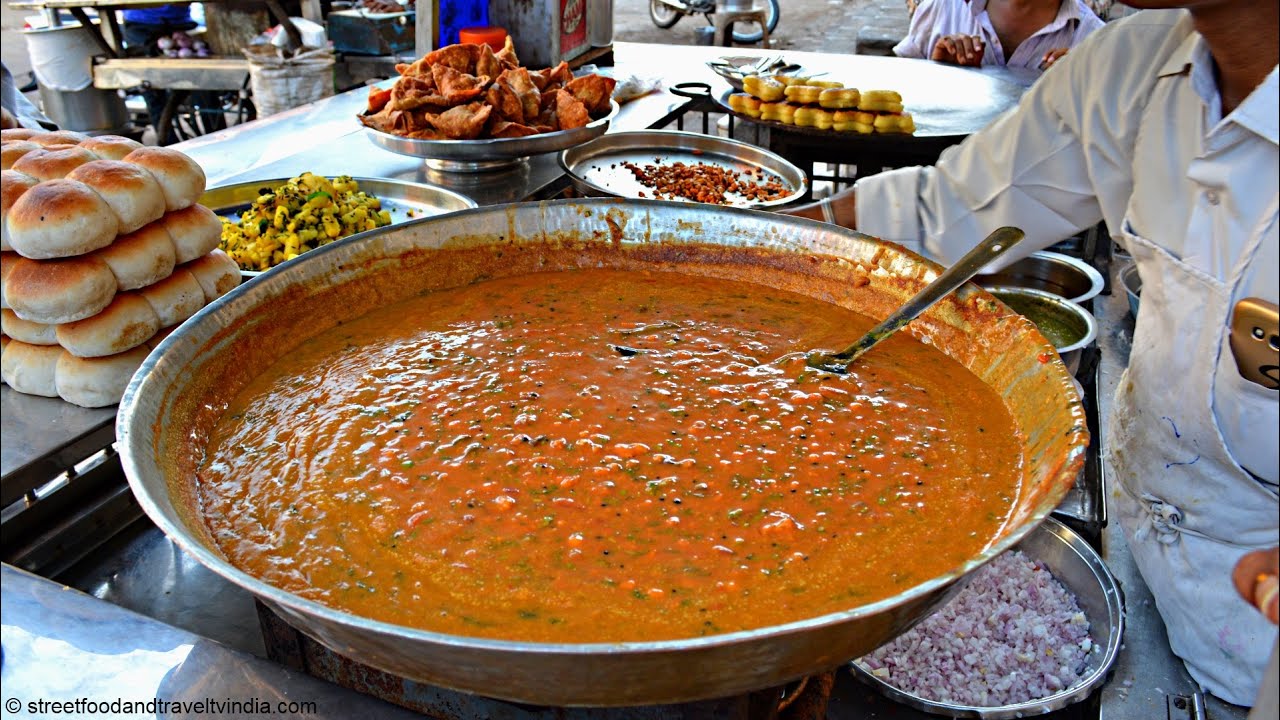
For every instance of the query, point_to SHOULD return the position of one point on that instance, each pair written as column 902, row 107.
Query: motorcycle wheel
column 771, row 21
column 662, row 14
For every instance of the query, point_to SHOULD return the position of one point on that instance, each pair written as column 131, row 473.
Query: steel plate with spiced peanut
column 681, row 166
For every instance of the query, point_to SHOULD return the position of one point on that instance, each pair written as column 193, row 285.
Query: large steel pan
column 178, row 392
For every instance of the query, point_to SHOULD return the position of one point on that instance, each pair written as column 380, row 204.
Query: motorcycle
column 666, row 13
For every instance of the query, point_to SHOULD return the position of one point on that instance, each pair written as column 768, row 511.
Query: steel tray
column 595, row 167
column 490, row 153
column 405, row 201
column 1077, row 566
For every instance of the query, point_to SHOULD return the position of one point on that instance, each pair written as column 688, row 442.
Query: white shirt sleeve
column 1034, row 167
column 916, row 43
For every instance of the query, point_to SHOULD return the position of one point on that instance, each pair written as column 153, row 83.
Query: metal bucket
column 175, row 396
column 91, row 110
column 63, row 59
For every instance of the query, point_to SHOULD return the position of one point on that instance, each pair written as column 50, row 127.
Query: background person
column 1014, row 33
column 18, row 111
column 142, row 28
column 1163, row 124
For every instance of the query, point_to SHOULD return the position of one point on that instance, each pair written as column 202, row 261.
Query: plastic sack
column 281, row 83
column 629, row 85
column 313, row 35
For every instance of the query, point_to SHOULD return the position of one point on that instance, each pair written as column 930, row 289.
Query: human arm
column 18, row 111
column 1255, row 578
column 921, row 30
column 839, row 209
column 1056, row 165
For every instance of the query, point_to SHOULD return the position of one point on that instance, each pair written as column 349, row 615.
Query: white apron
column 1189, row 511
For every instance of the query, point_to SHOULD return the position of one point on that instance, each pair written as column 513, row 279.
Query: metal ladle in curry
column 996, row 244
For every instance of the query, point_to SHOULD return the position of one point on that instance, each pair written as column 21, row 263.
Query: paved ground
column 814, row 25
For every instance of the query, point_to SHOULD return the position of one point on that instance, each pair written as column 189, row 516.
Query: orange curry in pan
column 600, row 455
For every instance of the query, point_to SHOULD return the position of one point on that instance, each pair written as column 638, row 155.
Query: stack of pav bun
column 821, row 104
column 104, row 251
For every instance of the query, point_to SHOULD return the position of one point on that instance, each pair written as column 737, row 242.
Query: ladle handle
column 995, row 245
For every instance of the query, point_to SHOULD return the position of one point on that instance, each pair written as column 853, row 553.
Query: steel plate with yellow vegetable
column 267, row 222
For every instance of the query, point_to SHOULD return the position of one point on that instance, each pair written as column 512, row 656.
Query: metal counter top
column 105, row 654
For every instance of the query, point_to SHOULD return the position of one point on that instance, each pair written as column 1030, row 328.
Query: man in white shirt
column 1010, row 33
column 1164, row 125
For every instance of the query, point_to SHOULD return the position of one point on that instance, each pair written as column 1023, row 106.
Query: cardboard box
column 361, row 33
column 544, row 32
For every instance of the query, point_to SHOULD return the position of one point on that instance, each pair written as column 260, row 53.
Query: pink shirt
column 936, row 18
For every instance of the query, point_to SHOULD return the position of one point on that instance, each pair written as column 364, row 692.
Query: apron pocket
column 1247, row 415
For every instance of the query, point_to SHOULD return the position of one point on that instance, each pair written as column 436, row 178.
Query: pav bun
column 125, row 324
column 110, row 147
column 52, row 162
column 60, row 218
column 12, row 186
column 8, row 259
column 97, row 382
column 217, row 274
column 175, row 298
column 26, row 331
column 196, row 232
column 143, row 257
column 179, row 176
column 31, row 369
column 59, row 137
column 130, row 190
column 59, row 291
column 19, row 133
column 11, row 150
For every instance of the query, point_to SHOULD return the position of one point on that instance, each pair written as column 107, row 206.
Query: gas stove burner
column 803, row 699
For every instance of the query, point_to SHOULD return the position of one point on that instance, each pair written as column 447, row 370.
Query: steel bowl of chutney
column 569, row 453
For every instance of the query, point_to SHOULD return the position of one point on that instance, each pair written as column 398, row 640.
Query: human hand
column 959, row 50
column 839, row 209
column 7, row 120
column 1255, row 577
column 1052, row 57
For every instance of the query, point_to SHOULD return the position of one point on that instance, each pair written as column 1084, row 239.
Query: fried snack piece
column 853, row 121
column 894, row 123
column 765, row 88
column 488, row 64
column 826, row 84
column 880, row 101
column 522, row 85
column 505, row 103
column 789, row 80
column 463, row 122
column 803, row 94
column 813, row 117
column 415, row 91
column 460, row 56
column 378, row 98
column 839, row 98
column 745, row 104
column 457, row 87
column 781, row 112
column 875, row 106
column 570, row 112
column 505, row 129
column 507, row 55
column 593, row 90
column 551, row 79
